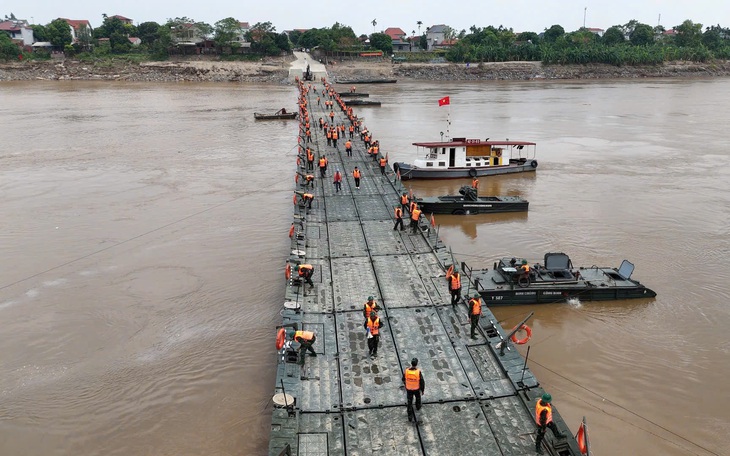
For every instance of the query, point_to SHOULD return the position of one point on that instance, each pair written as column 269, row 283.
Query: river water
column 143, row 232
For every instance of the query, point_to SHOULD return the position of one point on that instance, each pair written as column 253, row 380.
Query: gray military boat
column 554, row 281
column 467, row 202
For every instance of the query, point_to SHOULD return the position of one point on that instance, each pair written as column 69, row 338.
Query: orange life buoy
column 294, row 199
column 291, row 230
column 296, row 178
column 498, row 153
column 524, row 340
column 280, row 338
column 287, row 271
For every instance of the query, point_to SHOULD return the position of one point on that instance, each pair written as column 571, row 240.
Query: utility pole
column 659, row 21
column 585, row 11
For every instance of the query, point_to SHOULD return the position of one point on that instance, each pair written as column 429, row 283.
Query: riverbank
column 276, row 70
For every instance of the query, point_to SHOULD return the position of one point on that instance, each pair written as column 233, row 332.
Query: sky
column 520, row 15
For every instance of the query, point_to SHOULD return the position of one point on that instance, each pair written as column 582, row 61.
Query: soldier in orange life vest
column 348, row 148
column 307, row 199
column 404, row 202
column 309, row 180
column 356, row 175
column 306, row 271
column 415, row 386
column 373, row 325
column 337, row 180
column 454, row 280
column 383, row 163
column 310, row 159
column 322, row 166
column 335, row 135
column 306, row 340
column 475, row 312
column 523, row 271
column 370, row 305
column 398, row 218
column 544, row 419
column 415, row 215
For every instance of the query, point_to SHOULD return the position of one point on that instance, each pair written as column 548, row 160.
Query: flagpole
column 448, row 123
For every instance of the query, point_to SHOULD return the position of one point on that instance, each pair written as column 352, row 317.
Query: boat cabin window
column 442, row 163
column 443, row 151
column 429, row 164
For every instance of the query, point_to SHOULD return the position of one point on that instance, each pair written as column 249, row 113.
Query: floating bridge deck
column 342, row 402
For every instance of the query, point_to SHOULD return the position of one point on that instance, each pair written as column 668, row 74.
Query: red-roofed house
column 19, row 31
column 79, row 29
column 398, row 38
column 126, row 20
column 596, row 31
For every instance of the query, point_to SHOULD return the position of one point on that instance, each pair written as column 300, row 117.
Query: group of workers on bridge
column 412, row 376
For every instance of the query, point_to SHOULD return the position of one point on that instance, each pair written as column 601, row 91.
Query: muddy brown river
column 143, row 234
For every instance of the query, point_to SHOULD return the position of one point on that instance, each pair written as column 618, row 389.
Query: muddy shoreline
column 276, row 70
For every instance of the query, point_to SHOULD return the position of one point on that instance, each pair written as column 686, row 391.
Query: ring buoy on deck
column 498, row 153
column 287, row 271
column 473, row 172
column 533, row 163
column 291, row 230
column 280, row 338
column 525, row 339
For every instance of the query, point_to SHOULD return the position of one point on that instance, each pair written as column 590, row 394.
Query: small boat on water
column 462, row 157
column 280, row 114
column 354, row 95
column 358, row 102
column 556, row 280
column 467, row 202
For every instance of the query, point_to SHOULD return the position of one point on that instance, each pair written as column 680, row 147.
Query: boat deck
column 345, row 402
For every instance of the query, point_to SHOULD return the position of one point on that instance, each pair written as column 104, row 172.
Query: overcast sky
column 520, row 15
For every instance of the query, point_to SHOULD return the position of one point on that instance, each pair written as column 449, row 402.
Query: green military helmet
column 524, row 261
column 547, row 398
column 370, row 298
column 477, row 296
column 290, row 333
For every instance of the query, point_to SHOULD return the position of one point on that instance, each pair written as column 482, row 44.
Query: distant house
column 187, row 35
column 125, row 20
column 435, row 35
column 445, row 44
column 240, row 37
column 134, row 40
column 79, row 29
column 398, row 39
column 19, row 31
column 596, row 31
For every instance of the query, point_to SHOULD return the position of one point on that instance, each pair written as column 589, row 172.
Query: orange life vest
column 303, row 268
column 329, row 134
column 413, row 205
column 374, row 325
column 477, row 307
column 310, row 155
column 415, row 214
column 538, row 411
column 398, row 213
column 455, row 281
column 348, row 145
column 404, row 199
column 383, row 162
column 356, row 174
column 334, row 134
column 526, row 268
column 306, row 335
column 413, row 379
column 369, row 308
column 322, row 162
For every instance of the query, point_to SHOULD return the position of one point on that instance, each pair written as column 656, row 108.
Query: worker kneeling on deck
column 306, row 271
column 306, row 340
column 415, row 386
column 544, row 419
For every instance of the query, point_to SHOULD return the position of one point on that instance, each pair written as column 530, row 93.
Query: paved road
column 298, row 66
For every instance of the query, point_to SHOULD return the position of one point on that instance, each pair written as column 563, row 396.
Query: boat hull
column 259, row 116
column 361, row 102
column 461, row 206
column 585, row 284
column 408, row 171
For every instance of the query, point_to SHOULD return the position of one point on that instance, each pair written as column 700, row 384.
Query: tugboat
column 359, row 102
column 556, row 280
column 280, row 114
column 462, row 157
column 470, row 203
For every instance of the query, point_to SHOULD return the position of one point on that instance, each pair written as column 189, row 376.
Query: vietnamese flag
column 444, row 101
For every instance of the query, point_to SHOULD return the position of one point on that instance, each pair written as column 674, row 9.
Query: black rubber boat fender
column 533, row 163
column 524, row 340
column 473, row 172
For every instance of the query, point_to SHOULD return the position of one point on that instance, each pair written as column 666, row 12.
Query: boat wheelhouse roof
column 472, row 142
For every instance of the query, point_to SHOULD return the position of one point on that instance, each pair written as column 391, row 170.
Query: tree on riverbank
column 644, row 46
